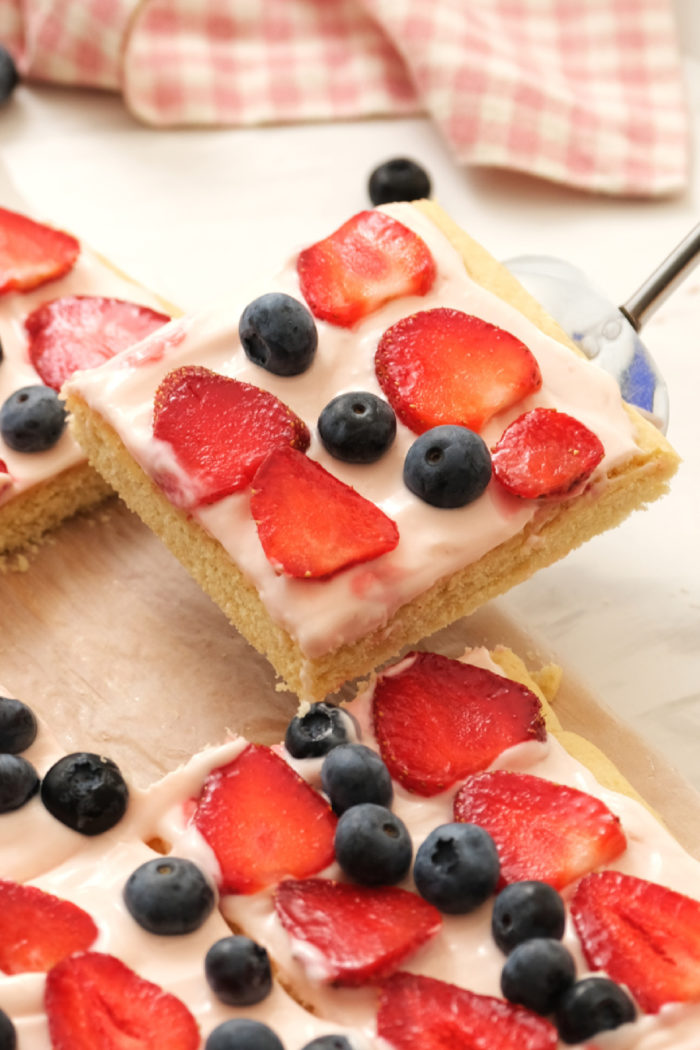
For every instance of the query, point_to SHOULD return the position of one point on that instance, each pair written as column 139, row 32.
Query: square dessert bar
column 330, row 553
column 61, row 307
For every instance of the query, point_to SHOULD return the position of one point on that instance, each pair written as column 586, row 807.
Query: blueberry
column 352, row 774
column 456, row 868
column 238, row 971
column 399, row 179
column 328, row 1042
column 32, row 419
column 9, row 77
column 447, row 466
column 322, row 728
column 279, row 334
column 537, row 973
column 357, row 427
column 592, row 1005
column 525, row 910
column 85, row 791
column 372, row 845
column 8, row 1036
column 242, row 1034
column 17, row 726
column 169, row 896
column 18, row 782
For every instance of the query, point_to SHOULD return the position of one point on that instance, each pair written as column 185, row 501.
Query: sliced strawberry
column 542, row 830
column 37, row 929
column 437, row 720
column 222, row 429
column 420, row 1013
column 263, row 822
column 358, row 935
column 83, row 331
column 93, row 1000
column 31, row 253
column 643, row 935
column 311, row 525
column 545, row 453
column 444, row 366
column 368, row 261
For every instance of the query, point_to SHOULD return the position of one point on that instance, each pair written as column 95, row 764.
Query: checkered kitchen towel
column 585, row 92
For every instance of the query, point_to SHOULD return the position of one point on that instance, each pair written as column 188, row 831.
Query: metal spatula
column 608, row 334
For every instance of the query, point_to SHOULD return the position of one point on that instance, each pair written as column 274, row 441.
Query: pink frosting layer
column 92, row 872
column 323, row 615
column 89, row 276
column 464, row 952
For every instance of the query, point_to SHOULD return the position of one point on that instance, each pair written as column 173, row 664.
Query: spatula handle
column 657, row 288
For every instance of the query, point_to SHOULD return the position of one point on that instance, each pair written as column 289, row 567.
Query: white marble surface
column 194, row 213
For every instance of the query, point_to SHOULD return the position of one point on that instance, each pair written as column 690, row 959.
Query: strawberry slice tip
column 263, row 821
column 220, row 429
column 643, row 935
column 37, row 930
column 542, row 830
column 94, row 1000
column 545, row 453
column 359, row 934
column 437, row 720
column 444, row 366
column 421, row 1013
column 32, row 254
column 368, row 261
column 83, row 331
column 312, row 525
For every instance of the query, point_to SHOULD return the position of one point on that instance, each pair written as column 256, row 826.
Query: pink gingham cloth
column 584, row 92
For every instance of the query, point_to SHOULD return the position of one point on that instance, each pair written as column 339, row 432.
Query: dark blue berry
column 18, row 726
column 8, row 1036
column 357, row 427
column 32, row 419
column 525, row 910
column 352, row 774
column 169, row 896
column 595, row 1004
column 243, row 1035
column 279, row 334
column 322, row 728
column 238, row 971
column 18, row 782
column 85, row 791
column 399, row 179
column 9, row 77
column 328, row 1042
column 447, row 466
column 537, row 973
column 456, row 868
column 372, row 845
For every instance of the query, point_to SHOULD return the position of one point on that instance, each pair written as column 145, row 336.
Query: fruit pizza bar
column 61, row 308
column 105, row 942
column 434, row 866
column 388, row 435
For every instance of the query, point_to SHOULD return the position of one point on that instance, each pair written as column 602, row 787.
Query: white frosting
column 322, row 615
column 89, row 276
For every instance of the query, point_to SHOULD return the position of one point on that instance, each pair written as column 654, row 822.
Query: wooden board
column 107, row 637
